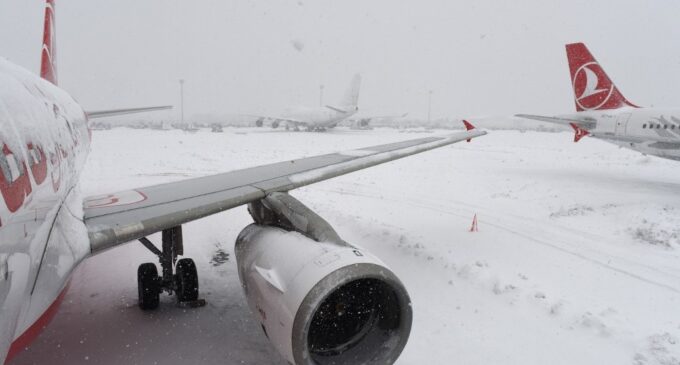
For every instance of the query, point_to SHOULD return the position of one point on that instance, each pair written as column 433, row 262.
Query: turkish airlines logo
column 592, row 88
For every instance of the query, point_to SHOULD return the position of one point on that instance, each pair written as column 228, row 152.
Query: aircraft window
column 4, row 166
column 644, row 126
column 673, row 126
column 658, row 126
column 35, row 156
column 14, row 169
column 665, row 126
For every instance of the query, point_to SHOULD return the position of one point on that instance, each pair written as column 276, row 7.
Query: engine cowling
column 321, row 302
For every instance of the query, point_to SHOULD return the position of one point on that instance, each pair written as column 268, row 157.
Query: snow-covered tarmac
column 577, row 258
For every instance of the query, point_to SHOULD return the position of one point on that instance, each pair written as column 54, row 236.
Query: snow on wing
column 117, row 218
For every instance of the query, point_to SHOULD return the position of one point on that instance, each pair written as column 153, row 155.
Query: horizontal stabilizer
column 114, row 112
column 336, row 109
column 585, row 122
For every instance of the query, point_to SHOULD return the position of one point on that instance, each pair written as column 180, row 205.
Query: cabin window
column 35, row 156
column 673, row 126
column 644, row 126
column 665, row 126
column 658, row 126
column 4, row 166
column 14, row 169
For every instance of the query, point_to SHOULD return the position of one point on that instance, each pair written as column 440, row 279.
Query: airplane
column 318, row 298
column 364, row 123
column 604, row 113
column 319, row 118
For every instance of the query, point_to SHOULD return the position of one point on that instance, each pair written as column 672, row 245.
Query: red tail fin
column 48, row 63
column 593, row 90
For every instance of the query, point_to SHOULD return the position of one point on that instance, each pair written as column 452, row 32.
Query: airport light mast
column 321, row 95
column 429, row 105
column 181, row 100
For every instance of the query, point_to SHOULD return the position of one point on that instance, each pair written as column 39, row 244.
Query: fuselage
column 653, row 131
column 320, row 117
column 44, row 140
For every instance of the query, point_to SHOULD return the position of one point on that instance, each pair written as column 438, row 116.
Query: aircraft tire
column 148, row 286
column 186, row 279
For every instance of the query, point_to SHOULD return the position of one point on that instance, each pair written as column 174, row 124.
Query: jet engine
column 319, row 299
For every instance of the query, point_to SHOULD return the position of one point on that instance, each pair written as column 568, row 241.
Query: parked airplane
column 319, row 118
column 364, row 123
column 604, row 113
column 319, row 299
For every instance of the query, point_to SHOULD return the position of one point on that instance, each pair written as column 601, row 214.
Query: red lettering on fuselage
column 15, row 184
column 38, row 162
column 55, row 174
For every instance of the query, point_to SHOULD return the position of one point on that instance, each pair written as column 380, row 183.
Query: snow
column 576, row 260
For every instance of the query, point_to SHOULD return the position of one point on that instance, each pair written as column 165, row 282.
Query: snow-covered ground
column 577, row 258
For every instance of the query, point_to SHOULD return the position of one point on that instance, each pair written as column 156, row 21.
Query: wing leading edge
column 125, row 216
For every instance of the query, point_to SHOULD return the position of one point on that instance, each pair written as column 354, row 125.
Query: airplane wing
column 117, row 218
column 110, row 113
column 585, row 122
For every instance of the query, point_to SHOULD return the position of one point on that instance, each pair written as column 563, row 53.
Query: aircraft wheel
column 148, row 286
column 187, row 280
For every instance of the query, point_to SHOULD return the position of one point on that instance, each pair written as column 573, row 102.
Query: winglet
column 578, row 132
column 469, row 127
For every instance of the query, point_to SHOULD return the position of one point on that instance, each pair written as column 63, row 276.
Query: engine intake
column 319, row 302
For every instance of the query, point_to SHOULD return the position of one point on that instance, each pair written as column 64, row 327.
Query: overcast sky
column 479, row 57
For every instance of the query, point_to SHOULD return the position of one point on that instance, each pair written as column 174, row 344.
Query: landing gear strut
column 182, row 281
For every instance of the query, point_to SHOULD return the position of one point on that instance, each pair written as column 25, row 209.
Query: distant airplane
column 322, row 117
column 319, row 299
column 604, row 113
column 364, row 123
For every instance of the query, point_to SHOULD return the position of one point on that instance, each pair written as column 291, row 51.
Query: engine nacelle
column 319, row 301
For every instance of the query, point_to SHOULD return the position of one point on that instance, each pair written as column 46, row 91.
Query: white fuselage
column 653, row 131
column 320, row 117
column 44, row 141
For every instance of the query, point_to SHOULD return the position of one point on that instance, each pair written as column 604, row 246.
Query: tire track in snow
column 516, row 232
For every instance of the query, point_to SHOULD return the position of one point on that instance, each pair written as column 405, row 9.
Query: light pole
column 321, row 95
column 429, row 105
column 181, row 100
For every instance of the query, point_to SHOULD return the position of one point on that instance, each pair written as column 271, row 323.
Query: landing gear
column 183, row 282
column 186, row 281
column 148, row 286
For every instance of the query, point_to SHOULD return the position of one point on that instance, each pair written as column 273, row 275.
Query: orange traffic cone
column 474, row 228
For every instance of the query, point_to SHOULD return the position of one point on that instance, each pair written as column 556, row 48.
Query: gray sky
column 479, row 57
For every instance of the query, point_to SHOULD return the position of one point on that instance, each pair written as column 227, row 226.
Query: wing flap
column 124, row 216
